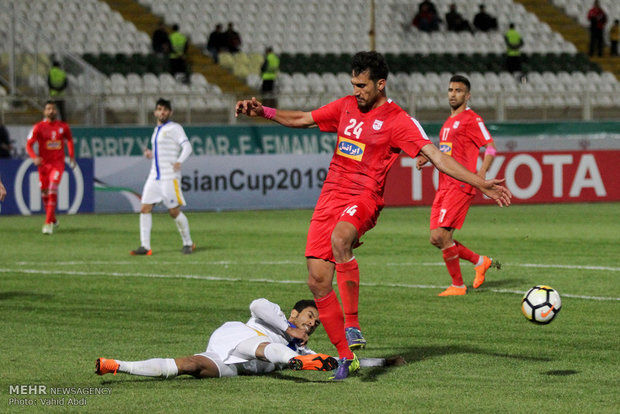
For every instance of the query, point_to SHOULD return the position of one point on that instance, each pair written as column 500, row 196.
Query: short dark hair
column 461, row 79
column 303, row 304
column 372, row 61
column 51, row 102
column 163, row 102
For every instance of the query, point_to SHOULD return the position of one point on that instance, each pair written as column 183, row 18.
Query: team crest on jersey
column 350, row 149
column 446, row 148
column 377, row 125
column 456, row 124
column 61, row 130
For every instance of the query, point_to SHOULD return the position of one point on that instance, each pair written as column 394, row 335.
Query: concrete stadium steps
column 570, row 29
column 147, row 22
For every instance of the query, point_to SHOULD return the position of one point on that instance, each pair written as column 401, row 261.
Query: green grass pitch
column 69, row 298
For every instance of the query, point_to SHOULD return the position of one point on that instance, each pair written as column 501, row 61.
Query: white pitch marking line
column 233, row 279
column 294, row 262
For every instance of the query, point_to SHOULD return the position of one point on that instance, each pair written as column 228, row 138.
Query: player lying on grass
column 266, row 342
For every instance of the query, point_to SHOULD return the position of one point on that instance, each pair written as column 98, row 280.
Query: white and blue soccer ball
column 541, row 304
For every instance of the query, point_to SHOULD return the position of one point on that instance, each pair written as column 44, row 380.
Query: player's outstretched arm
column 447, row 165
column 292, row 119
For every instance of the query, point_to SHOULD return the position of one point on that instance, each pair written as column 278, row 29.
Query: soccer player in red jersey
column 372, row 130
column 51, row 135
column 461, row 137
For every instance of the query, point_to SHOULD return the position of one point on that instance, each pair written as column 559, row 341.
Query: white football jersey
column 169, row 144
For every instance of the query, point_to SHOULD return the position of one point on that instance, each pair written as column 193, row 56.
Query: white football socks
column 146, row 223
column 156, row 367
column 183, row 226
column 279, row 353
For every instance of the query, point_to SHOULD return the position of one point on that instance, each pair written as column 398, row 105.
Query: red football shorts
column 362, row 211
column 450, row 208
column 50, row 175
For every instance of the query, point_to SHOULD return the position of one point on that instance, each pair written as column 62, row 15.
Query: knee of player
column 436, row 240
column 342, row 244
column 319, row 285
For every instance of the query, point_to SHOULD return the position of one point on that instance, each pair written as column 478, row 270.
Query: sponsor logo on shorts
column 350, row 148
column 446, row 148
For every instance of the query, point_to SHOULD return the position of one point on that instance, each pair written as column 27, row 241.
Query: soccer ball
column 541, row 304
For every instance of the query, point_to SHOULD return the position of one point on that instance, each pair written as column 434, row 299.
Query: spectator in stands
column 598, row 19
column 514, row 43
column 483, row 21
column 160, row 41
column 614, row 35
column 178, row 51
column 426, row 19
column 233, row 39
column 57, row 83
column 269, row 69
column 455, row 20
column 5, row 143
column 217, row 41
column 428, row 4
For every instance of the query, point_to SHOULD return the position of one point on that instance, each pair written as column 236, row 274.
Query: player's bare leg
column 197, row 366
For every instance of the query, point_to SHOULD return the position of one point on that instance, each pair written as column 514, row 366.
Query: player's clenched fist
column 249, row 107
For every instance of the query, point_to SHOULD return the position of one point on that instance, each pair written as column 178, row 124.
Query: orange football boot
column 106, row 366
column 481, row 270
column 454, row 291
column 314, row 362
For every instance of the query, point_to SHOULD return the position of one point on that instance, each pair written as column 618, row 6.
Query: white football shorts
column 167, row 192
column 223, row 350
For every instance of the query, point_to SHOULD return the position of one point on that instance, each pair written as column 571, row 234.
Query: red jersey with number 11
column 51, row 137
column 368, row 143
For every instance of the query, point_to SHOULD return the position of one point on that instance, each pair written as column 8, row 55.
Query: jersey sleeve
column 69, row 139
column 327, row 117
column 409, row 135
column 270, row 313
column 181, row 138
column 32, row 138
column 480, row 134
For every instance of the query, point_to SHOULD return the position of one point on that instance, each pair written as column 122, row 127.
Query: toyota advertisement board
column 532, row 177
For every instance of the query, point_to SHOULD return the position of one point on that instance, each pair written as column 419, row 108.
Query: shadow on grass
column 416, row 354
column 490, row 284
column 371, row 374
column 560, row 372
column 24, row 294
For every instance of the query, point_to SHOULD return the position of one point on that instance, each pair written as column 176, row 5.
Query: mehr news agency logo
column 45, row 396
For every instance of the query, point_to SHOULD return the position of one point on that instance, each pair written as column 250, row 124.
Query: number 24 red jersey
column 368, row 143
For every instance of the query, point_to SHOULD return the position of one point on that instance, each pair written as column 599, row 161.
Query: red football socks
column 348, row 278
column 465, row 253
column 50, row 208
column 451, row 257
column 330, row 314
